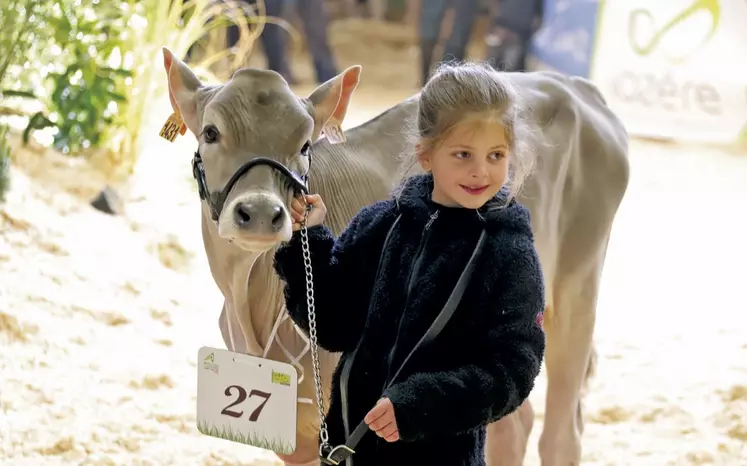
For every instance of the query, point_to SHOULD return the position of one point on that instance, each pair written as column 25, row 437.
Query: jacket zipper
column 433, row 218
column 410, row 278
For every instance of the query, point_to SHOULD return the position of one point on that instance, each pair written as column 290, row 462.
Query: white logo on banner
column 674, row 69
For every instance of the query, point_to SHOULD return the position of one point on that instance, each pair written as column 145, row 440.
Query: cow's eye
column 306, row 149
column 211, row 134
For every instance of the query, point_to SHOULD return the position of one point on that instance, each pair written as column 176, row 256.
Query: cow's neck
column 265, row 293
column 365, row 168
column 241, row 301
column 348, row 176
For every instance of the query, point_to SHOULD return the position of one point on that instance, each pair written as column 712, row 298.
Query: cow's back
column 366, row 167
column 573, row 193
column 581, row 171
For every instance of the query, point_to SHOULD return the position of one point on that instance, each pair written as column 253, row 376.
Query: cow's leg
column 307, row 450
column 569, row 329
column 506, row 441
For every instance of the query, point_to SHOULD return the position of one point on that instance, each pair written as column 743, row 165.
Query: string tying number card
column 247, row 399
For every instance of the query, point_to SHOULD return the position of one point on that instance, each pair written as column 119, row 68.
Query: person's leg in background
column 315, row 24
column 431, row 17
column 274, row 41
column 465, row 13
column 506, row 50
column 512, row 29
column 232, row 33
column 273, row 38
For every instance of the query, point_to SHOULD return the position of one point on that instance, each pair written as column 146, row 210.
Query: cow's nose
column 278, row 215
column 251, row 215
column 243, row 214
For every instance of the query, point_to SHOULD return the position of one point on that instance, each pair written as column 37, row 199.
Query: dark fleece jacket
column 483, row 364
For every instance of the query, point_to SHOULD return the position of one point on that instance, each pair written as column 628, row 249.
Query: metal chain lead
column 312, row 330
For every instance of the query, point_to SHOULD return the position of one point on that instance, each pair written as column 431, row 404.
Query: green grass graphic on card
column 226, row 433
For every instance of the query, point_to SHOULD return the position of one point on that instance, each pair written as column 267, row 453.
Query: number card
column 247, row 399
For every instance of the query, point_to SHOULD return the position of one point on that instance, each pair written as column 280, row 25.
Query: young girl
column 483, row 364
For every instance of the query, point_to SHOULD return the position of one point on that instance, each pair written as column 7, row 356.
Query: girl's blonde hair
column 465, row 91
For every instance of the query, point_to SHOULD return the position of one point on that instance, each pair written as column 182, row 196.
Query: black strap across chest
column 344, row 452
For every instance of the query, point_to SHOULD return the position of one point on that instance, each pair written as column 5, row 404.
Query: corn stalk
column 51, row 54
column 4, row 162
column 179, row 26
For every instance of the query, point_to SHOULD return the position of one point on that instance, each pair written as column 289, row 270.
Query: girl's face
column 469, row 166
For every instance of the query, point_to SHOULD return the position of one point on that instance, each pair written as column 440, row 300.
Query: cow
column 573, row 195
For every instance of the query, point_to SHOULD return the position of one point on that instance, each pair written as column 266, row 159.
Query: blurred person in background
column 274, row 38
column 375, row 9
column 513, row 24
column 431, row 18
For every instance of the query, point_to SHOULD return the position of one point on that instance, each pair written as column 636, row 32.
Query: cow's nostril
column 278, row 215
column 243, row 214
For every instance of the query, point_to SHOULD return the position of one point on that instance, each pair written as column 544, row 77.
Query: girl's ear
column 424, row 157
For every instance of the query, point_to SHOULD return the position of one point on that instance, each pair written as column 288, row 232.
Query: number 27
column 242, row 396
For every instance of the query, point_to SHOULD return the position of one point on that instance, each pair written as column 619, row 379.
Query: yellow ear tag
column 173, row 126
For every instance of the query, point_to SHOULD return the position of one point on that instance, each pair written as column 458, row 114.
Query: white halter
column 294, row 360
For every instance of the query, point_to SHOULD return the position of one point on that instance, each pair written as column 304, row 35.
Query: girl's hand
column 381, row 420
column 316, row 216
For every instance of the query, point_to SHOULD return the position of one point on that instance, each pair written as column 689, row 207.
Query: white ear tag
column 333, row 132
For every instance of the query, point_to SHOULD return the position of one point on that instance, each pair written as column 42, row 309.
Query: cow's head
column 254, row 115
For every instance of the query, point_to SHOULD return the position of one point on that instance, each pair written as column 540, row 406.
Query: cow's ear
column 330, row 103
column 183, row 87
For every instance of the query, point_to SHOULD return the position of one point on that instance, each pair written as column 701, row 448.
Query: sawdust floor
column 101, row 317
